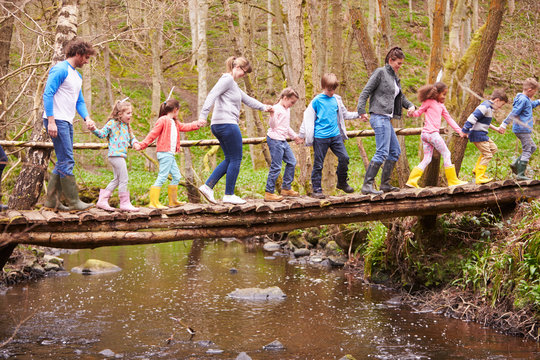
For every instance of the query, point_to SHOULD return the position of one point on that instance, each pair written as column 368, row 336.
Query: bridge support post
column 5, row 253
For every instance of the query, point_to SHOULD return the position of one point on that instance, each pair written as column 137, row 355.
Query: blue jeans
column 230, row 140
column 386, row 141
column 63, row 147
column 167, row 165
column 280, row 151
column 320, row 148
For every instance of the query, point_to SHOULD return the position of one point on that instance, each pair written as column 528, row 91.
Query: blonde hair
column 329, row 81
column 119, row 107
column 530, row 83
column 241, row 61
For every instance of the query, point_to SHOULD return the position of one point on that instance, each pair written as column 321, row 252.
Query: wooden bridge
column 94, row 227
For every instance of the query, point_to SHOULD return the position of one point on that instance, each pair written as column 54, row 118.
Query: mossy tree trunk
column 480, row 73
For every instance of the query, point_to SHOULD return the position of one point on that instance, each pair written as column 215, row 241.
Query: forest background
column 146, row 47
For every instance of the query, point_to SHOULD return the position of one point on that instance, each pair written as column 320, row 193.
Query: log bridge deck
column 94, row 227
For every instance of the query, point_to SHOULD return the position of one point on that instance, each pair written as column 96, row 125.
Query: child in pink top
column 432, row 98
column 278, row 131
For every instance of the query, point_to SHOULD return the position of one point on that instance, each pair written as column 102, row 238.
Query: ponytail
column 288, row 93
column 393, row 54
column 241, row 61
column 167, row 106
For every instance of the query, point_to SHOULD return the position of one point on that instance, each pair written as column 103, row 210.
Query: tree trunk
column 269, row 55
column 362, row 38
column 86, row 32
column 193, row 22
column 385, row 23
column 480, row 73
column 30, row 181
column 295, row 39
column 202, row 55
column 431, row 177
column 6, row 31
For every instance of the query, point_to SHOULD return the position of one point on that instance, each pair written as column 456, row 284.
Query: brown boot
column 289, row 192
column 272, row 197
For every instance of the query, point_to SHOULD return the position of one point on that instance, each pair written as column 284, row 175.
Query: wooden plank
column 34, row 217
column 15, row 217
column 102, row 215
column 337, row 199
column 262, row 207
column 217, row 209
column 356, row 198
column 51, row 216
column 174, row 210
column 86, row 216
column 277, row 206
column 249, row 206
column 67, row 216
column 309, row 202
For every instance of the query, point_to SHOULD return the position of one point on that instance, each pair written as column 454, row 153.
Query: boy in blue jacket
column 476, row 128
column 522, row 111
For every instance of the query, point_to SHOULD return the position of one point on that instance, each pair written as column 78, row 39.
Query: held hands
column 137, row 146
column 298, row 140
column 90, row 124
column 501, row 130
column 410, row 111
column 201, row 123
column 269, row 108
column 364, row 117
column 463, row 135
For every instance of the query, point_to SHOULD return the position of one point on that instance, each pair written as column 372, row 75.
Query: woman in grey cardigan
column 385, row 102
column 226, row 97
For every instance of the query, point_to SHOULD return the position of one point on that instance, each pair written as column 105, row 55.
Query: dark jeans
column 320, row 148
column 63, row 147
column 280, row 152
column 230, row 140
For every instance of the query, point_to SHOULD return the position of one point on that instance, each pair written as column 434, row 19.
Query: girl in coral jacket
column 167, row 131
column 432, row 98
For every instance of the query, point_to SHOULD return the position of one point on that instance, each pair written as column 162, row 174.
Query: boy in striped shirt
column 476, row 128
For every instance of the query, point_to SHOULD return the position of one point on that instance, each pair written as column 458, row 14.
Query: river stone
column 52, row 267
column 205, row 343
column 332, row 246
column 337, row 260
column 243, row 356
column 53, row 260
column 271, row 246
column 38, row 269
column 302, row 252
column 271, row 293
column 94, row 266
column 347, row 357
column 107, row 353
column 214, row 351
column 274, row 345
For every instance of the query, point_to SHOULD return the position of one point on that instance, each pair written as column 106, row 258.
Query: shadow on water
column 165, row 288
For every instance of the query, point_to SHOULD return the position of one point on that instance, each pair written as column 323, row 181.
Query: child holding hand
column 522, row 111
column 167, row 131
column 432, row 98
column 280, row 150
column 476, row 127
column 118, row 131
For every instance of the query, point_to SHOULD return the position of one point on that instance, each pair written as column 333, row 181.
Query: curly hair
column 431, row 91
column 78, row 46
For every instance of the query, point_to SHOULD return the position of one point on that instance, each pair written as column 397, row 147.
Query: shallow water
column 323, row 317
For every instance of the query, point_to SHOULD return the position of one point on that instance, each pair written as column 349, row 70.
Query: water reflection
column 324, row 316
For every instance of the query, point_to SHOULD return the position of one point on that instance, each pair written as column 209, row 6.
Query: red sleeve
column 186, row 127
column 153, row 134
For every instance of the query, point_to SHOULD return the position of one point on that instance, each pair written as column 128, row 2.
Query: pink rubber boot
column 103, row 202
column 125, row 204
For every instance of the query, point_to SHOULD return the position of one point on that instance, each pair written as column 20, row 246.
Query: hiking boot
column 272, row 197
column 317, row 194
column 289, row 192
column 345, row 187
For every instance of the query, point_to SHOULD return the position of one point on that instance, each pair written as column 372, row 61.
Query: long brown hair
column 168, row 106
column 431, row 91
column 393, row 54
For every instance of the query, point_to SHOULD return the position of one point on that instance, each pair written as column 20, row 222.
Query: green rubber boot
column 521, row 167
column 514, row 165
column 53, row 194
column 71, row 193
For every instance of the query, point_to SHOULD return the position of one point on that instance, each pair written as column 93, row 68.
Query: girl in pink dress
column 432, row 98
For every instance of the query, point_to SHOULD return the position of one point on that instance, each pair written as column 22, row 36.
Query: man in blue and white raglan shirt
column 61, row 99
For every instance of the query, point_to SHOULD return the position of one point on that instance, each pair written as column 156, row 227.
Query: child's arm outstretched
column 152, row 135
column 103, row 133
column 446, row 116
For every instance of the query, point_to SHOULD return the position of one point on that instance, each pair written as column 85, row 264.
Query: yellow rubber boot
column 480, row 175
column 477, row 163
column 173, row 196
column 451, row 176
column 415, row 175
column 154, row 198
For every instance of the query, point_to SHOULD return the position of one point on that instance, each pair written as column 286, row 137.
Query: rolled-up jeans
column 63, row 147
column 386, row 141
column 230, row 140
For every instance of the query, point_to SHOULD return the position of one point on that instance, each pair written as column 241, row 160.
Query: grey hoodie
column 380, row 90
